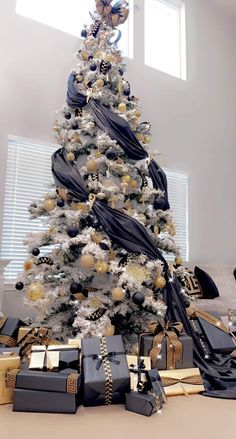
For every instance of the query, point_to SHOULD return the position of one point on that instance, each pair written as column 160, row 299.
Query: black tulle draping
column 123, row 230
column 119, row 130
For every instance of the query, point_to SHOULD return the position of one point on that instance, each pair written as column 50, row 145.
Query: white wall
column 193, row 121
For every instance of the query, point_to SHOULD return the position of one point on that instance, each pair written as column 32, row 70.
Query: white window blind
column 165, row 36
column 70, row 16
column 178, row 199
column 28, row 177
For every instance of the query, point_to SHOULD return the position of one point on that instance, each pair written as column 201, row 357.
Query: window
column 70, row 16
column 178, row 199
column 28, row 177
column 165, row 36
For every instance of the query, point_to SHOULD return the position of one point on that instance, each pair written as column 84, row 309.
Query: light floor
column 196, row 417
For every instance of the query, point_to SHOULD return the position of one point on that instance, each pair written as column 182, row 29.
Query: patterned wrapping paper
column 8, row 360
column 9, row 327
column 105, row 372
column 182, row 381
column 47, row 392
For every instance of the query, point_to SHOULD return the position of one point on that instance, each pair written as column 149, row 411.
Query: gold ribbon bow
column 113, row 15
column 6, row 339
column 195, row 380
column 174, row 348
column 38, row 336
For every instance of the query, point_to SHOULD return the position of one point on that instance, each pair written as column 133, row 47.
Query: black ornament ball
column 74, row 126
column 111, row 155
column 89, row 220
column 126, row 92
column 19, row 286
column 75, row 288
column 72, row 232
column 121, row 72
column 84, row 33
column 103, row 246
column 35, row 251
column 60, row 203
column 93, row 67
column 67, row 115
column 138, row 298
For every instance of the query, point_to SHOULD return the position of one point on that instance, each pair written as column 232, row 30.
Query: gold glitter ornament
column 49, row 204
column 84, row 55
column 102, row 267
column 91, row 165
column 96, row 237
column 118, row 294
column 109, row 330
column 99, row 83
column 126, row 179
column 70, row 156
column 122, row 107
column 86, row 261
column 28, row 264
column 138, row 272
column 137, row 113
column 133, row 184
column 95, row 303
column 36, row 291
column 140, row 137
column 160, row 282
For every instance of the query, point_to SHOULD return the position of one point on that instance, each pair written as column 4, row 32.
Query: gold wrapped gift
column 182, row 381
column 133, row 362
column 8, row 361
column 47, row 356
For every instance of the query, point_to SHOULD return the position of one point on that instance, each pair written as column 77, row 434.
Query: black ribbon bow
column 110, row 356
column 139, row 369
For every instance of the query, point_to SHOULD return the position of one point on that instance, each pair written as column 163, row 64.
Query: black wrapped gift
column 141, row 403
column 167, row 346
column 64, row 358
column 9, row 327
column 216, row 333
column 156, row 386
column 47, row 392
column 105, row 371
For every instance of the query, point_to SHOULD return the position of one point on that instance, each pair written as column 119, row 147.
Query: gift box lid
column 44, row 381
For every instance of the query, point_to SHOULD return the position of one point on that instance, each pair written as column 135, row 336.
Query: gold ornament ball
column 160, row 282
column 178, row 261
column 140, row 137
column 63, row 193
column 122, row 107
column 70, row 156
column 147, row 139
column 49, row 205
column 137, row 113
column 84, row 55
column 95, row 303
column 91, row 165
column 126, row 179
column 109, row 58
column 96, row 237
column 87, row 261
column 99, row 83
column 133, row 184
column 36, row 291
column 109, row 330
column 102, row 267
column 118, row 294
column 28, row 265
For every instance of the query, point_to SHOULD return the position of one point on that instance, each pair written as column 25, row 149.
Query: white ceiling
column 227, row 5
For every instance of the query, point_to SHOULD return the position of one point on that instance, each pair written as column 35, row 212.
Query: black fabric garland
column 119, row 129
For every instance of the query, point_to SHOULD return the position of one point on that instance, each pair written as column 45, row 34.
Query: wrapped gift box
column 105, row 370
column 55, row 357
column 47, row 392
column 141, row 403
column 9, row 328
column 156, row 386
column 219, row 340
column 167, row 349
column 34, row 336
column 74, row 342
column 182, row 381
column 8, row 360
column 138, row 367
